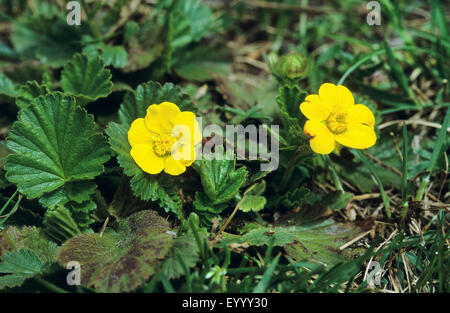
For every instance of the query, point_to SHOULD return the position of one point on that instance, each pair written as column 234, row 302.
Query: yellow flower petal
column 139, row 133
column 174, row 167
column 159, row 118
column 314, row 109
column 184, row 153
column 322, row 141
column 357, row 136
column 187, row 119
column 360, row 114
column 337, row 98
column 146, row 159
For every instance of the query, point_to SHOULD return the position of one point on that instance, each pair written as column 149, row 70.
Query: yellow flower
column 164, row 139
column 334, row 118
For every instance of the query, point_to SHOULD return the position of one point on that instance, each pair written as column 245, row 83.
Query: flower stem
column 422, row 188
column 336, row 179
column 231, row 217
column 290, row 167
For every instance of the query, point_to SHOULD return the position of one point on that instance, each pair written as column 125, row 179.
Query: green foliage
column 120, row 260
column 59, row 224
column 290, row 199
column 201, row 70
column 193, row 21
column 289, row 99
column 276, row 236
column 111, row 55
column 397, row 72
column 220, row 180
column 336, row 200
column 7, row 86
column 204, row 205
column 321, row 243
column 27, row 237
column 19, row 266
column 48, row 39
column 54, row 172
column 86, row 78
column 52, row 151
column 221, row 183
column 28, row 92
column 253, row 201
column 124, row 202
column 183, row 255
column 318, row 241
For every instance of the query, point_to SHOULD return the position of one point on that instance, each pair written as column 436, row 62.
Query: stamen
column 337, row 123
column 162, row 144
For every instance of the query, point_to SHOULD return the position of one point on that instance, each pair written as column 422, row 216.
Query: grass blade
column 264, row 283
column 436, row 152
column 404, row 211
column 384, row 197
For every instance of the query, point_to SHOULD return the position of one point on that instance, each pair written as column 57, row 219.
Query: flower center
column 162, row 144
column 336, row 123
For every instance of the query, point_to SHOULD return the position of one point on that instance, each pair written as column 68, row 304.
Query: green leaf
column 163, row 64
column 318, row 241
column 161, row 188
column 142, row 55
column 56, row 151
column 291, row 199
column 120, row 261
column 203, row 204
column 336, row 200
column 86, row 78
column 124, row 202
column 83, row 213
column 78, row 191
column 397, row 72
column 206, row 210
column 20, row 265
column 28, row 92
column 186, row 248
column 111, row 55
column 289, row 99
column 438, row 18
column 197, row 19
column 264, row 283
column 115, row 56
column 202, row 70
column 130, row 29
column 253, row 199
column 59, row 224
column 49, row 39
column 252, row 203
column 321, row 241
column 7, row 86
column 220, row 181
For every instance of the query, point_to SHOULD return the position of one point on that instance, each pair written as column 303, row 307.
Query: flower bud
column 291, row 68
